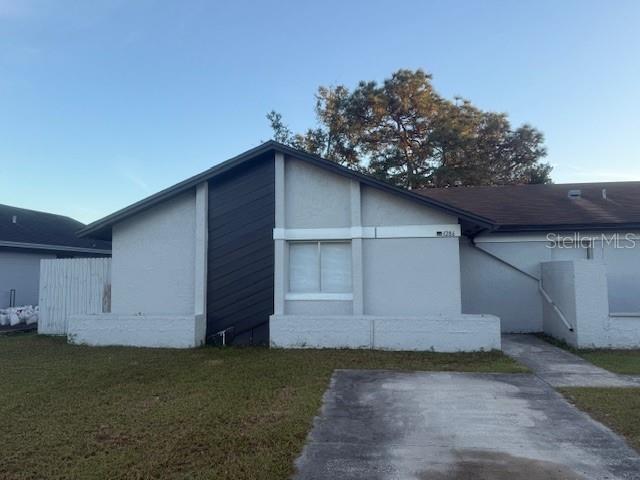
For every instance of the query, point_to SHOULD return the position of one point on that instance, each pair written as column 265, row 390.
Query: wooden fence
column 69, row 286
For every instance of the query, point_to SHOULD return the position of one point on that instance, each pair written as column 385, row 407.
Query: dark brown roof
column 41, row 229
column 540, row 207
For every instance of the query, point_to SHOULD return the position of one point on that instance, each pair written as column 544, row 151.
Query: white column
column 356, row 250
column 279, row 288
column 202, row 200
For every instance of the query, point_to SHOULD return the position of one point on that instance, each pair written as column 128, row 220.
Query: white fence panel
column 70, row 286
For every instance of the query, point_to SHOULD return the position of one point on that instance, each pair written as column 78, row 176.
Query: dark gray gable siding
column 241, row 252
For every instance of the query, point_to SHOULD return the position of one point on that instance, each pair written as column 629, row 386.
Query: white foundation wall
column 433, row 333
column 153, row 266
column 176, row 331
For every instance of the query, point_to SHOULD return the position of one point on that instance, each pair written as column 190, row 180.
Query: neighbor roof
column 102, row 228
column 44, row 231
column 549, row 207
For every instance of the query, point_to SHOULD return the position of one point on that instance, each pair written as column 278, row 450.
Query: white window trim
column 322, row 296
column 319, row 296
column 349, row 233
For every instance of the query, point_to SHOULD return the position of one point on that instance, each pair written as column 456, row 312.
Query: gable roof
column 44, row 231
column 102, row 228
column 548, row 207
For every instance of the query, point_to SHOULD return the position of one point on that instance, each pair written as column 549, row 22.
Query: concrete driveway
column 441, row 426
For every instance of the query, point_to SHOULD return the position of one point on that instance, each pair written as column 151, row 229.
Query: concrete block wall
column 175, row 331
column 579, row 289
column 442, row 333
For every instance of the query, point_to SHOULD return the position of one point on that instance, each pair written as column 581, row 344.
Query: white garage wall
column 153, row 268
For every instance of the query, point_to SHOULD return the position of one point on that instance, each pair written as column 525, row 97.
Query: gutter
column 538, row 280
column 57, row 248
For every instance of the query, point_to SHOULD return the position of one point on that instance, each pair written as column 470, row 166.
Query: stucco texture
column 491, row 286
column 153, row 269
column 411, row 276
column 398, row 276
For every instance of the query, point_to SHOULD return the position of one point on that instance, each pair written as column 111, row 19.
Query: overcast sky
column 105, row 102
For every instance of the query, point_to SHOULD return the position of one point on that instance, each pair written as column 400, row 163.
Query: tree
column 404, row 132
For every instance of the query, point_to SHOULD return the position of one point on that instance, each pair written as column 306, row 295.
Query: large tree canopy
column 404, row 132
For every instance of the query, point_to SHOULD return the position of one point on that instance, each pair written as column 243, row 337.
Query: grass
column 617, row 361
column 618, row 408
column 236, row 413
column 625, row 362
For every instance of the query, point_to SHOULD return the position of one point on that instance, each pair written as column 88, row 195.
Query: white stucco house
column 282, row 248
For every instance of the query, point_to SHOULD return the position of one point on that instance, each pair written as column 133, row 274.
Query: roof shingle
column 40, row 228
column 519, row 207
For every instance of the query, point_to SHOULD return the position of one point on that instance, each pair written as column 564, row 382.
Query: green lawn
column 619, row 408
column 617, row 361
column 236, row 413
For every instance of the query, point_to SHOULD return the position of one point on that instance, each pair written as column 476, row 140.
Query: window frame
column 319, row 295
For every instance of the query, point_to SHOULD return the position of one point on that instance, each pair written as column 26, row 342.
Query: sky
column 105, row 102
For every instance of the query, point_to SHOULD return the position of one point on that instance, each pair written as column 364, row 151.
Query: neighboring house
column 26, row 237
column 276, row 246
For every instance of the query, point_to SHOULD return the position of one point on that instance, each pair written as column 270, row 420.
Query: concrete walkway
column 457, row 426
column 560, row 368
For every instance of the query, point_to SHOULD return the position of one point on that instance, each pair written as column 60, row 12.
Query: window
column 320, row 268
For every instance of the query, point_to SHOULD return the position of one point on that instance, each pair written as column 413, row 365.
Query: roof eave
column 568, row 227
column 101, row 227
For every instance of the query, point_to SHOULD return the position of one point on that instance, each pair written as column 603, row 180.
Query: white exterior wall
column 176, row 331
column 558, row 281
column 579, row 289
column 623, row 273
column 404, row 275
column 159, row 276
column 451, row 333
column 411, row 276
column 20, row 271
column 491, row 286
column 393, row 275
column 153, row 268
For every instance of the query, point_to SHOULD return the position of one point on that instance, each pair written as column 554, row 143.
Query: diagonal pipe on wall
column 538, row 280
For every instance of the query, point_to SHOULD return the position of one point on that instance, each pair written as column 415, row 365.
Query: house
column 501, row 265
column 282, row 248
column 26, row 237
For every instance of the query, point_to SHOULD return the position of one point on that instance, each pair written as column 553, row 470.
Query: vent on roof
column 14, row 219
column 604, row 193
column 575, row 194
